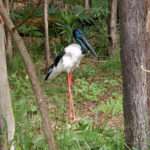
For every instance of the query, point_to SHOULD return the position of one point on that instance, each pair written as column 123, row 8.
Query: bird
column 67, row 61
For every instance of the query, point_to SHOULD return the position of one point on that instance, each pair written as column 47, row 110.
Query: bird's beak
column 88, row 46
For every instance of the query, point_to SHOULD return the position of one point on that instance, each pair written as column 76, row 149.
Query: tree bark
column 147, row 4
column 9, row 48
column 134, row 79
column 41, row 99
column 87, row 4
column 6, row 111
column 112, row 27
column 47, row 49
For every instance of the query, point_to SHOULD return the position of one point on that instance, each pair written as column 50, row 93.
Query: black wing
column 58, row 58
column 56, row 61
column 50, row 69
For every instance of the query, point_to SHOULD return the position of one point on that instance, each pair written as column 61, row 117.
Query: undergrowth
column 92, row 83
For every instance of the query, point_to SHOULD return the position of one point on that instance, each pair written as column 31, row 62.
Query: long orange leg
column 71, row 109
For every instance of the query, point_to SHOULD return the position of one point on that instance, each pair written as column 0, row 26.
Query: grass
column 97, row 91
column 84, row 136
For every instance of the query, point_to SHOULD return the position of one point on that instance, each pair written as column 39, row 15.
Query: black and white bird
column 67, row 61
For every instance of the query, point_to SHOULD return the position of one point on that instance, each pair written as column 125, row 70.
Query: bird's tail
column 50, row 70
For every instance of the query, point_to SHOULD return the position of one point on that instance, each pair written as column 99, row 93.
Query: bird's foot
column 73, row 118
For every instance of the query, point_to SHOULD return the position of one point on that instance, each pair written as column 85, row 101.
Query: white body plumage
column 69, row 61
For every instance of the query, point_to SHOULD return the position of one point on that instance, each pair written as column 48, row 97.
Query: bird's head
column 81, row 39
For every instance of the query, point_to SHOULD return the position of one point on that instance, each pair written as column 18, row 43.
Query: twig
column 145, row 70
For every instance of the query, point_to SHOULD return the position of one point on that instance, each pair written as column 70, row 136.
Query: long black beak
column 88, row 46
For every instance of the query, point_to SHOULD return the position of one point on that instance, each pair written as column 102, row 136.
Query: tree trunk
column 47, row 49
column 148, row 51
column 41, row 99
column 9, row 48
column 112, row 27
column 6, row 111
column 134, row 79
column 87, row 4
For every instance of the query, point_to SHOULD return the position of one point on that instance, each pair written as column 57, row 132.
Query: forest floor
column 98, row 102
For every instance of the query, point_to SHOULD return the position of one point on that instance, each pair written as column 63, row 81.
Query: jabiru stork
column 67, row 61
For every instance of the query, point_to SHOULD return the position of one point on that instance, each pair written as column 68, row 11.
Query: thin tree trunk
column 6, row 111
column 47, row 49
column 87, row 4
column 41, row 99
column 148, row 51
column 112, row 27
column 11, row 4
column 9, row 48
column 134, row 79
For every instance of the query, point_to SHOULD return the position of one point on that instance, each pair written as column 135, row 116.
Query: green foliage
column 28, row 120
column 30, row 30
column 66, row 24
column 73, row 2
column 69, row 20
column 113, row 106
column 28, row 123
column 36, row 49
column 93, row 22
column 112, row 64
column 16, row 64
column 87, row 91
column 110, row 82
column 26, row 12
column 84, row 136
